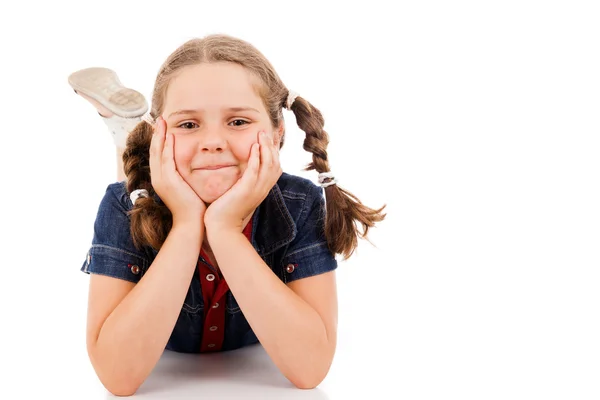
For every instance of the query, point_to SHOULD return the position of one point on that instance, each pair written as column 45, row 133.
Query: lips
column 215, row 167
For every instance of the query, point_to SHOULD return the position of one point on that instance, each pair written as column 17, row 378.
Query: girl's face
column 215, row 114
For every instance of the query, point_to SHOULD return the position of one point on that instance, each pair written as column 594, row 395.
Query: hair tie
column 290, row 99
column 326, row 175
column 148, row 118
column 136, row 194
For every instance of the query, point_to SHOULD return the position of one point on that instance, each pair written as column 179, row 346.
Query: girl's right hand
column 180, row 198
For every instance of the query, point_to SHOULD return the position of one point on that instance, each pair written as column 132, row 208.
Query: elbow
column 307, row 382
column 121, row 385
column 314, row 370
column 122, row 390
column 305, row 385
column 310, row 378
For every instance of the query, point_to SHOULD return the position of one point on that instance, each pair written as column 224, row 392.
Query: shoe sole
column 104, row 86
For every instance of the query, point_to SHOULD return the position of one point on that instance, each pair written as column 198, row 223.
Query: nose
column 212, row 141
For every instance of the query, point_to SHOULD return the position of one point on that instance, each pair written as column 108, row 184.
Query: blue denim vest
column 287, row 228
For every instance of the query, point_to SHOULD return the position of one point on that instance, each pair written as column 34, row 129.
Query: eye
column 236, row 122
column 187, row 125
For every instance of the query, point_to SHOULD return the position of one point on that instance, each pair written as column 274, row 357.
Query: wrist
column 189, row 228
column 187, row 234
column 218, row 223
column 189, row 220
column 215, row 231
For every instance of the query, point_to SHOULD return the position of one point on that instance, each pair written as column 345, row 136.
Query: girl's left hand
column 231, row 209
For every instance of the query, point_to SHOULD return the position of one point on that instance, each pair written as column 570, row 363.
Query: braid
column 343, row 208
column 151, row 221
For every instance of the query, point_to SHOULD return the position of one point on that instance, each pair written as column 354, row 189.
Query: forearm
column 135, row 334
column 290, row 330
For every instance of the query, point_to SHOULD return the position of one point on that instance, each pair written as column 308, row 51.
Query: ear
column 278, row 134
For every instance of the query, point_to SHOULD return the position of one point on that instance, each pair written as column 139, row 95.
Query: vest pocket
column 194, row 302
column 231, row 304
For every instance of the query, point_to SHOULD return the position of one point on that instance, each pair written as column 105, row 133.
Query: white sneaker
column 103, row 86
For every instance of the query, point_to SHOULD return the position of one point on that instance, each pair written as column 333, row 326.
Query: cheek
column 241, row 149
column 183, row 156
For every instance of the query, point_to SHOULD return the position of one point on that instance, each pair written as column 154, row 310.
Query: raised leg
column 121, row 108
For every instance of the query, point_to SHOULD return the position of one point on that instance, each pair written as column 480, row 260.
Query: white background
column 476, row 122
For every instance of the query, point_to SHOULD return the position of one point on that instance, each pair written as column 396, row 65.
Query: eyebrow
column 234, row 109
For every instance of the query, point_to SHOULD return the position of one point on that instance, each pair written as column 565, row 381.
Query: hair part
column 151, row 220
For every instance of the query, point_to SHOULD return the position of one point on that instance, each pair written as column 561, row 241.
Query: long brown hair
column 151, row 221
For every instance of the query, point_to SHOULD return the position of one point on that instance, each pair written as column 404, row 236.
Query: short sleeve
column 308, row 254
column 112, row 252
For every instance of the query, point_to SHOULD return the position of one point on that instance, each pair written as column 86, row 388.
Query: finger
column 270, row 167
column 266, row 156
column 251, row 174
column 157, row 141
column 275, row 171
column 249, row 177
column 167, row 155
column 156, row 148
column 275, row 151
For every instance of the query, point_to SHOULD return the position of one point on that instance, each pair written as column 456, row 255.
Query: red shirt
column 214, row 292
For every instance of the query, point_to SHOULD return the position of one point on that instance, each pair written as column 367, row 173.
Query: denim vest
column 287, row 229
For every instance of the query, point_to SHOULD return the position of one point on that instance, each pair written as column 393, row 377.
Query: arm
column 296, row 324
column 129, row 324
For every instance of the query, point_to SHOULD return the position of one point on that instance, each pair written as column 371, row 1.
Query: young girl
column 206, row 244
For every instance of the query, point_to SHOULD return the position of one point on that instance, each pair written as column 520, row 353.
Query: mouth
column 215, row 167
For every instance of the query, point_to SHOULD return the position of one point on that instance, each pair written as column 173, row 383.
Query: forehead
column 213, row 85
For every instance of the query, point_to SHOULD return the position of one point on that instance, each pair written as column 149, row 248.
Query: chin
column 208, row 198
column 209, row 194
column 209, row 186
